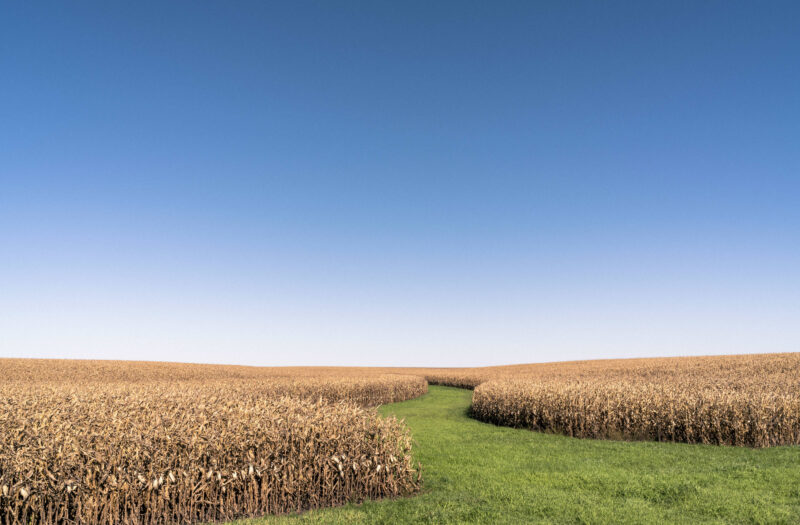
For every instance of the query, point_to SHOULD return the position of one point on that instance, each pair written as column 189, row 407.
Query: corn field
column 103, row 442
column 138, row 448
column 625, row 410
column 745, row 400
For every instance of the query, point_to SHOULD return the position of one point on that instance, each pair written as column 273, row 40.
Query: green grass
column 480, row 473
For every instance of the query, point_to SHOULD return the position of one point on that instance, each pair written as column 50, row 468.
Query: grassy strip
column 479, row 473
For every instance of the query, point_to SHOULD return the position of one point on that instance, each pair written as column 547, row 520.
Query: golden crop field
column 105, row 442
column 109, row 442
column 750, row 400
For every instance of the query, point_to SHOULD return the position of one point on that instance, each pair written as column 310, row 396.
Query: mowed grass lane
column 479, row 473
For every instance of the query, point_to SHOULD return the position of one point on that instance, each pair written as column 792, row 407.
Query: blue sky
column 399, row 183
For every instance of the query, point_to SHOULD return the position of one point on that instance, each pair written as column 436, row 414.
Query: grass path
column 480, row 473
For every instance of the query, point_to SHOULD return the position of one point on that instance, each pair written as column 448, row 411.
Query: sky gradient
column 399, row 183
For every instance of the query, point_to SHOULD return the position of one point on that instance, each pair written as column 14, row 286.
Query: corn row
column 658, row 412
column 751, row 400
column 152, row 452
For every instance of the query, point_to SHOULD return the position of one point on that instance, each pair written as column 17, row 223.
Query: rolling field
column 480, row 473
column 125, row 442
column 112, row 443
column 746, row 400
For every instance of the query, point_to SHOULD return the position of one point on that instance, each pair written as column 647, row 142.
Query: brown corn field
column 105, row 442
column 747, row 400
column 629, row 410
column 108, row 443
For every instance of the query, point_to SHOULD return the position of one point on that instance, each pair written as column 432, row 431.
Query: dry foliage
column 749, row 400
column 108, row 443
column 139, row 443
column 628, row 410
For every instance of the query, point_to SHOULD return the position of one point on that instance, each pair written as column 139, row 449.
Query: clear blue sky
column 399, row 183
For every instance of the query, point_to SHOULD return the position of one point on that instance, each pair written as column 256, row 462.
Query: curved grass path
column 480, row 473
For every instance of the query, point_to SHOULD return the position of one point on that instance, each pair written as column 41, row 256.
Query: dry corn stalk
column 147, row 451
column 749, row 400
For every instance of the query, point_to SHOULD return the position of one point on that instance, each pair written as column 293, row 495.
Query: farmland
column 746, row 400
column 480, row 473
column 120, row 443
column 129, row 442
